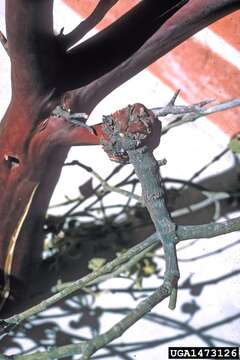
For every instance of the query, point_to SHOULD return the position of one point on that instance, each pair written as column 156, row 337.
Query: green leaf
column 234, row 144
column 96, row 263
column 149, row 269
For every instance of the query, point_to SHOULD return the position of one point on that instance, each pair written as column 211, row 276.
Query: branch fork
column 130, row 136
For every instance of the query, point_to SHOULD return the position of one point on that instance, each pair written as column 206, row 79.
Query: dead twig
column 88, row 24
column 3, row 41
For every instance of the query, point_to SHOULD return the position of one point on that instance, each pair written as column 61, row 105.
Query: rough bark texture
column 33, row 143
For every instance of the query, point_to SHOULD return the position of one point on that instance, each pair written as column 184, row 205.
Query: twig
column 103, row 182
column 118, row 329
column 131, row 196
column 87, row 168
column 174, row 98
column 79, row 199
column 199, row 172
column 147, row 170
column 121, row 269
column 110, row 188
column 226, row 105
column 193, row 112
column 53, row 353
column 79, row 284
column 3, row 41
column 88, row 24
column 172, row 109
column 121, row 183
column 211, row 198
column 184, row 232
column 88, row 348
column 67, row 202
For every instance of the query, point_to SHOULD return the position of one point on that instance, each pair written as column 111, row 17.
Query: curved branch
column 116, row 43
column 189, row 19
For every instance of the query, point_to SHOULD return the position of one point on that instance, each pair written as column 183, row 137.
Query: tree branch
column 141, row 124
column 105, row 185
column 118, row 329
column 193, row 16
column 192, row 113
column 116, row 43
column 77, row 285
column 211, row 197
column 184, row 232
column 181, row 115
column 3, row 41
column 88, row 348
column 181, row 232
column 85, row 26
column 53, row 353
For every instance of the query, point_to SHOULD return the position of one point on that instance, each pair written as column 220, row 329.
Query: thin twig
column 184, row 232
column 88, row 24
column 53, row 353
column 171, row 109
column 87, row 168
column 212, row 197
column 3, row 41
column 196, row 112
column 80, row 199
column 118, row 329
column 205, row 167
column 79, row 284
column 121, row 269
column 115, row 189
column 174, row 98
column 88, row 348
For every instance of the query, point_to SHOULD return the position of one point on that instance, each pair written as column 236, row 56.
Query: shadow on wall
column 81, row 312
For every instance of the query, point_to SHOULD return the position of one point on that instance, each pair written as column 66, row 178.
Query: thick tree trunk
column 33, row 148
column 31, row 162
column 24, row 197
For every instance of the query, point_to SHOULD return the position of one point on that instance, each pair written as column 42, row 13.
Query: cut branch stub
column 135, row 126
